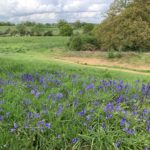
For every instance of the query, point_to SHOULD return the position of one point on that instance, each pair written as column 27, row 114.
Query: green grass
column 27, row 108
column 31, row 44
column 16, row 102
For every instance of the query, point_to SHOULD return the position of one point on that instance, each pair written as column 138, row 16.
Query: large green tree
column 128, row 30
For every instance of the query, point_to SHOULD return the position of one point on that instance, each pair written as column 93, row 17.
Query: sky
column 50, row 11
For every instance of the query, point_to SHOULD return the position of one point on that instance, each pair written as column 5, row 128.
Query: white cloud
column 47, row 10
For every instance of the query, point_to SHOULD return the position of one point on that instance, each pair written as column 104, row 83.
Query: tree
column 88, row 27
column 117, row 6
column 21, row 29
column 37, row 30
column 129, row 30
column 77, row 24
column 66, row 30
column 61, row 23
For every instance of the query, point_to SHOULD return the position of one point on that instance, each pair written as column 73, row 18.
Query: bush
column 75, row 43
column 83, row 42
column 21, row 29
column 113, row 54
column 48, row 33
column 66, row 30
column 88, row 27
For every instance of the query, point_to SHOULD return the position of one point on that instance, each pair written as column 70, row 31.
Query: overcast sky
column 47, row 11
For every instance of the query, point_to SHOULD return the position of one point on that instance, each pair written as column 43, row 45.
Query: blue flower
column 123, row 122
column 1, row 118
column 74, row 140
column 48, row 125
column 148, row 128
column 60, row 109
column 129, row 131
column 90, row 86
column 109, row 107
column 1, row 91
column 119, row 99
column 59, row 96
column 108, row 116
column 15, row 126
column 118, row 143
column 75, row 103
column 82, row 113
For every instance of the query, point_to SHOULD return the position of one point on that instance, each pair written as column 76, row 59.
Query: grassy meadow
column 51, row 105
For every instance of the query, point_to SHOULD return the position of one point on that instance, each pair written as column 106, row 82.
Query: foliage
column 21, row 29
column 6, row 24
column 61, row 23
column 77, row 24
column 117, row 6
column 130, row 30
column 48, row 33
column 66, row 30
column 88, row 27
column 75, row 43
column 83, row 42
column 113, row 54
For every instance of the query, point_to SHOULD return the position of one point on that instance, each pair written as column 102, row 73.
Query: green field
column 51, row 105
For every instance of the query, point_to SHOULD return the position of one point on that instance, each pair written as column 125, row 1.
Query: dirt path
column 103, row 64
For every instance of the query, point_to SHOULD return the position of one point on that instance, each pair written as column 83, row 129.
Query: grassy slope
column 48, row 47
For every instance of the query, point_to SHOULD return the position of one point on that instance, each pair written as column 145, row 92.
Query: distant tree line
column 38, row 29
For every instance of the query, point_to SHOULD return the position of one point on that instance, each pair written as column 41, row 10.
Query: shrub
column 83, row 42
column 113, row 54
column 75, row 43
column 88, row 27
column 21, row 29
column 66, row 30
column 48, row 33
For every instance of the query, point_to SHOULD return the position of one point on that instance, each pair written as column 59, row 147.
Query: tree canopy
column 129, row 29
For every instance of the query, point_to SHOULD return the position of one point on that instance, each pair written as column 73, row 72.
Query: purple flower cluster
column 67, row 106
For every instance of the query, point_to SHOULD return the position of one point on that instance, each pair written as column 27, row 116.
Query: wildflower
column 75, row 103
column 90, row 86
column 108, row 116
column 96, row 103
column 26, row 125
column 148, row 128
column 1, row 102
column 109, row 107
column 36, row 115
column 41, row 80
column 82, row 113
column 59, row 96
column 74, row 140
column 37, row 94
column 1, row 91
column 14, row 127
column 119, row 99
column 1, row 118
column 47, row 125
column 88, row 118
column 123, row 121
column 81, row 92
column 60, row 108
column 104, row 125
column 118, row 108
column 129, row 131
column 118, row 143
